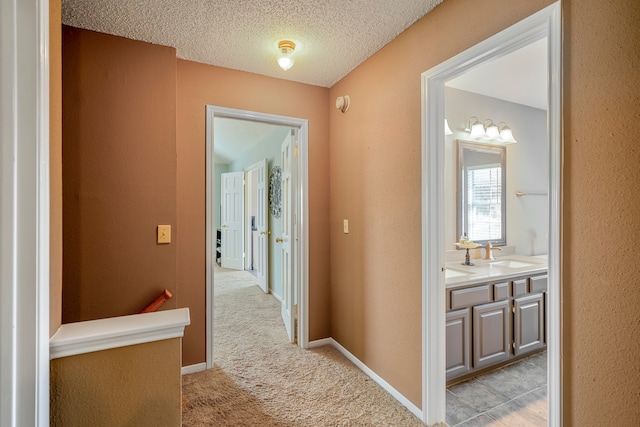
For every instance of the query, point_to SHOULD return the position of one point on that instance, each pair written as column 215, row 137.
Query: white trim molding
column 320, row 343
column 24, row 213
column 276, row 296
column 192, row 369
column 545, row 23
column 104, row 334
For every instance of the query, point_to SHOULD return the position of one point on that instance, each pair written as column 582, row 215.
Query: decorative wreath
column 275, row 199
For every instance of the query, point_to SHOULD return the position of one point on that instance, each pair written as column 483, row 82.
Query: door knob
column 224, row 225
column 278, row 240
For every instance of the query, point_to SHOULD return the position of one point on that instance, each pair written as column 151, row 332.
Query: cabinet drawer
column 538, row 283
column 519, row 287
column 470, row 296
column 500, row 291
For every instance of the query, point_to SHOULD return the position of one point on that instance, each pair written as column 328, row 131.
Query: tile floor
column 515, row 395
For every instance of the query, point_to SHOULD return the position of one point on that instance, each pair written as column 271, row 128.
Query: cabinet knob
column 278, row 240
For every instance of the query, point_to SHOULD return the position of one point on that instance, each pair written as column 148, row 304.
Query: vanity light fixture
column 475, row 129
column 447, row 129
column 285, row 59
column 505, row 134
column 489, row 132
column 492, row 129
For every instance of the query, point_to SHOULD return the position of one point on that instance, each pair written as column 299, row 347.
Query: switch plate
column 345, row 225
column 164, row 234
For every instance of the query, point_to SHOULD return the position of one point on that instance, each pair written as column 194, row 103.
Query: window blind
column 484, row 202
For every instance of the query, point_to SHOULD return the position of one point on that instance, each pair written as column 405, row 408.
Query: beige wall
column 138, row 385
column 376, row 271
column 124, row 172
column 55, row 161
column 199, row 85
column 375, row 183
column 601, row 319
column 119, row 174
column 374, row 157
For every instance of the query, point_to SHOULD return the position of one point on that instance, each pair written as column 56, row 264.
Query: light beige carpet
column 262, row 380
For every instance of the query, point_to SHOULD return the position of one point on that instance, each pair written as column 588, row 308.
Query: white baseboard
column 194, row 368
column 364, row 368
column 276, row 296
column 320, row 343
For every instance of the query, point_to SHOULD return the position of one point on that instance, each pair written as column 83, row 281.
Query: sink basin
column 510, row 263
column 451, row 272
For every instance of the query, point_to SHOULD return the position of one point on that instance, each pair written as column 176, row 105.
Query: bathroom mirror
column 481, row 201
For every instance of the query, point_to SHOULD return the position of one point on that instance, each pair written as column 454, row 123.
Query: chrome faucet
column 488, row 251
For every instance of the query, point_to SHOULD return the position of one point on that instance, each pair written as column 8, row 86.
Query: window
column 484, row 202
column 481, row 192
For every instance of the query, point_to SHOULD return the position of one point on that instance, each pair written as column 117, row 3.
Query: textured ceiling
column 332, row 36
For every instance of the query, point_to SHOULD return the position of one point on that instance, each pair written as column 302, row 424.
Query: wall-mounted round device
column 342, row 103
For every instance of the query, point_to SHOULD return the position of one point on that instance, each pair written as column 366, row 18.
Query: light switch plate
column 345, row 226
column 164, row 234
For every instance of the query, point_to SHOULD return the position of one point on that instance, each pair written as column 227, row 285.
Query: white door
column 262, row 226
column 288, row 234
column 232, row 230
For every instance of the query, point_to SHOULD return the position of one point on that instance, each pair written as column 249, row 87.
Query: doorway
column 545, row 23
column 295, row 301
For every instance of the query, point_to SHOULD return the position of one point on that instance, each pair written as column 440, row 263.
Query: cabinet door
column 491, row 334
column 528, row 323
column 458, row 343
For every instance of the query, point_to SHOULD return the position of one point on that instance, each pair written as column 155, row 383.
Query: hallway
column 260, row 379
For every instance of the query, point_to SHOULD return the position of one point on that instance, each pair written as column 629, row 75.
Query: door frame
column 545, row 23
column 301, row 187
column 24, row 213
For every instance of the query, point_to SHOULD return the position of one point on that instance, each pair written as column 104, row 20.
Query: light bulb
column 285, row 61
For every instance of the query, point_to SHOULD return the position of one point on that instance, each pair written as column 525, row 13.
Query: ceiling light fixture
column 285, row 60
column 488, row 131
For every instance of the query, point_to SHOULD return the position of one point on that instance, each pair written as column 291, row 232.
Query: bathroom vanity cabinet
column 489, row 324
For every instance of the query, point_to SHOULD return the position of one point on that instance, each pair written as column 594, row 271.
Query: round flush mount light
column 343, row 102
column 285, row 59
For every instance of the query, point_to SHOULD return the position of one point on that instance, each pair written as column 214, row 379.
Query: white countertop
column 501, row 268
